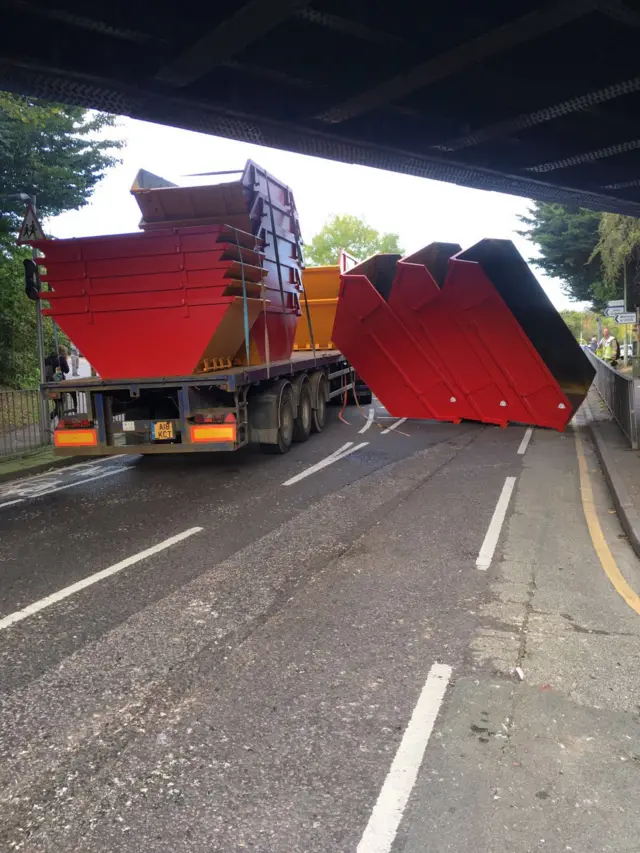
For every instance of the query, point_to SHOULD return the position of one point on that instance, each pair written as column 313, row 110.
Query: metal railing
column 21, row 414
column 618, row 392
column 21, row 429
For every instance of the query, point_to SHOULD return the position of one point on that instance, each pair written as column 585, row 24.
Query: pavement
column 620, row 464
column 196, row 656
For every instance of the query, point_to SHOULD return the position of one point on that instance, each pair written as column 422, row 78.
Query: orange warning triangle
column 30, row 230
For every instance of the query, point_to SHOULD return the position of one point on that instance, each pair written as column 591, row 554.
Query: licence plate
column 163, row 430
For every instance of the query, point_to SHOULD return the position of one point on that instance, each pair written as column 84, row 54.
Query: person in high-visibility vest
column 608, row 349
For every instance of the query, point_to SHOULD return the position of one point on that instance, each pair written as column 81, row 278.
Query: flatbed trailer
column 271, row 405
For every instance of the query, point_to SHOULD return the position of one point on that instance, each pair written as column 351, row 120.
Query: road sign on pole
column 30, row 229
column 625, row 319
column 614, row 306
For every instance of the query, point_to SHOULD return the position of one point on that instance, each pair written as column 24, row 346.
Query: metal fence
column 25, row 427
column 21, row 429
column 618, row 392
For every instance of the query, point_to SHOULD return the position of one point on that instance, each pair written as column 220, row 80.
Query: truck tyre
column 302, row 423
column 319, row 417
column 285, row 425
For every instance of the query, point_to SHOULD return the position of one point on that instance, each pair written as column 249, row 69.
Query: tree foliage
column 618, row 252
column 18, row 351
column 584, row 324
column 352, row 234
column 58, row 154
column 566, row 237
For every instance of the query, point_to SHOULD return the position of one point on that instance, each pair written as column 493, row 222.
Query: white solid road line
column 12, row 503
column 336, row 456
column 393, row 426
column 55, row 597
column 368, row 423
column 525, row 441
column 387, row 813
column 495, row 525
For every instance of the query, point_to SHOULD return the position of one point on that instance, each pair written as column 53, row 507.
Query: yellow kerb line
column 597, row 536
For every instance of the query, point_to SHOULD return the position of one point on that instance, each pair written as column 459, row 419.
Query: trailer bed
column 227, row 379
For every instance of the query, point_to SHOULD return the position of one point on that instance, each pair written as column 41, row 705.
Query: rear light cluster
column 70, row 423
column 213, row 429
column 76, row 437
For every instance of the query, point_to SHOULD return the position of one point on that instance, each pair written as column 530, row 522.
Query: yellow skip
column 597, row 536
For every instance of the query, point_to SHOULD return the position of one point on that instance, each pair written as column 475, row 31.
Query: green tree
column 618, row 252
column 581, row 323
column 352, row 234
column 566, row 237
column 58, row 154
column 575, row 322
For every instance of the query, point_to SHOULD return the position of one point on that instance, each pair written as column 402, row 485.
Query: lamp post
column 44, row 409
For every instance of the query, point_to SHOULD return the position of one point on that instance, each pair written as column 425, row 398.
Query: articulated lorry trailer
column 190, row 325
column 269, row 405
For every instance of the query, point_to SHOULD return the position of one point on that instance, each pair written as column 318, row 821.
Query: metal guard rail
column 21, row 413
column 618, row 392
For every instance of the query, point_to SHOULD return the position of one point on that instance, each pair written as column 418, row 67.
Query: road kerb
column 627, row 513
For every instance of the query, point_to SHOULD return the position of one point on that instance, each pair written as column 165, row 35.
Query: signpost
column 616, row 310
column 30, row 229
column 615, row 306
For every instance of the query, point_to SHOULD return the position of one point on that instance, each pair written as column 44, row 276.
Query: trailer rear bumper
column 135, row 450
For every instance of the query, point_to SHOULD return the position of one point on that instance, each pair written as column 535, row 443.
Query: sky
column 419, row 210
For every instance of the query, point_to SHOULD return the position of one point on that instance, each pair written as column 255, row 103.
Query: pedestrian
column 75, row 360
column 593, row 344
column 56, row 367
column 608, row 348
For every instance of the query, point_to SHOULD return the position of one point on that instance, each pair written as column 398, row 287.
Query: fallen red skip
column 450, row 335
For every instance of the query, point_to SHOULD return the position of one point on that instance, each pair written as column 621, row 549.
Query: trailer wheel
column 302, row 423
column 285, row 425
column 319, row 416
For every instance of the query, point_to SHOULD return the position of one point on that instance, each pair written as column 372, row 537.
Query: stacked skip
column 258, row 204
column 213, row 278
column 164, row 303
column 452, row 335
column 321, row 286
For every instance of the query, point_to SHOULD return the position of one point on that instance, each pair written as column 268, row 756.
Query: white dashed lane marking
column 387, row 813
column 495, row 525
column 61, row 594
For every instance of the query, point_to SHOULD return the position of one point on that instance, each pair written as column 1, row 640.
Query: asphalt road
column 318, row 666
